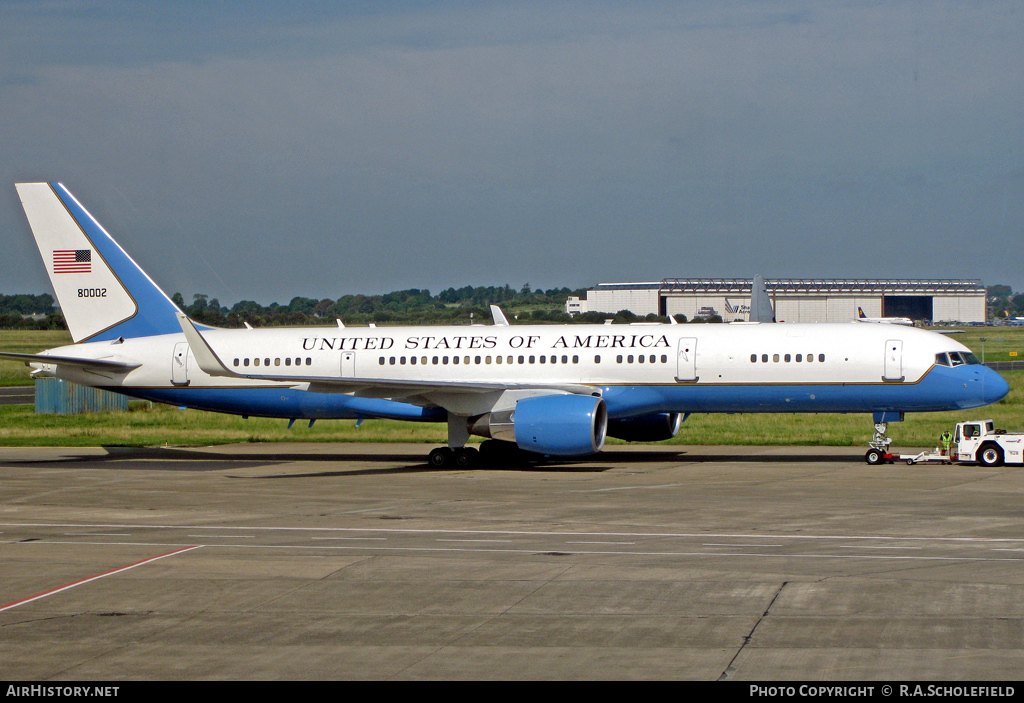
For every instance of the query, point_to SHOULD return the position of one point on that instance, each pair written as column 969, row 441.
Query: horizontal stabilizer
column 104, row 364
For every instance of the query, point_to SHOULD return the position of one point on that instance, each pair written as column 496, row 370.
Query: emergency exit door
column 348, row 364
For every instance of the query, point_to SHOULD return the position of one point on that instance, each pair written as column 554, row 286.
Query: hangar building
column 795, row 300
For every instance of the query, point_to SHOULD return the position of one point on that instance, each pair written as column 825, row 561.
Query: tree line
column 30, row 312
column 1003, row 302
column 466, row 305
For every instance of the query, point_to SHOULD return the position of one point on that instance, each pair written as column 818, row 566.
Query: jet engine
column 652, row 427
column 557, row 425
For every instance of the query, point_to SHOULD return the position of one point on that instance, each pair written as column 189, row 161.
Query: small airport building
column 794, row 300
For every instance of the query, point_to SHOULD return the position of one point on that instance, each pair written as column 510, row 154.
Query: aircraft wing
column 107, row 365
column 427, row 391
column 209, row 362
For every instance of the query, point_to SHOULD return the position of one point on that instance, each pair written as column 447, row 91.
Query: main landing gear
column 456, row 454
column 460, row 457
column 492, row 452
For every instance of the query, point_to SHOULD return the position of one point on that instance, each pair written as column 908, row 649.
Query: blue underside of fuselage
column 941, row 389
column 958, row 388
column 285, row 403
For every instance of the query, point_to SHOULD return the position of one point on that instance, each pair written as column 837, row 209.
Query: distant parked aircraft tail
column 761, row 308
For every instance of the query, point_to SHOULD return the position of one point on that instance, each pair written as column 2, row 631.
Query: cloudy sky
column 263, row 150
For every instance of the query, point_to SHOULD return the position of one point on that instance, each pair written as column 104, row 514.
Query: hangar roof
column 807, row 285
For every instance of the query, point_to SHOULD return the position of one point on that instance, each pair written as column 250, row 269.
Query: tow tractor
column 975, row 441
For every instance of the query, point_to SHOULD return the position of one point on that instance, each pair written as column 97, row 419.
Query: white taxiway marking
column 621, row 544
column 490, row 541
column 97, row 534
column 874, row 547
column 528, row 533
column 224, row 536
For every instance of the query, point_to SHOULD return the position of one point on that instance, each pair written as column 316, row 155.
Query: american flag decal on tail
column 72, row 261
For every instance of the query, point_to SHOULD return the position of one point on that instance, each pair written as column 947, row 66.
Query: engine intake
column 558, row 425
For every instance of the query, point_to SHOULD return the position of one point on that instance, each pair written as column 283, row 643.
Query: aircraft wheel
column 466, row 457
column 440, row 457
column 874, row 457
column 991, row 455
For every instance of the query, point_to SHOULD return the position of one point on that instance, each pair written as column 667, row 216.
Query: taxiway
column 358, row 561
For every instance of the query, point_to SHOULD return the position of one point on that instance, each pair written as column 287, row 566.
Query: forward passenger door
column 893, row 360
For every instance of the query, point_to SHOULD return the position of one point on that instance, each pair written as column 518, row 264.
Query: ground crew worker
column 947, row 439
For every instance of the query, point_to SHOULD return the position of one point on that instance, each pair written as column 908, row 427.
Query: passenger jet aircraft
column 555, row 390
column 861, row 317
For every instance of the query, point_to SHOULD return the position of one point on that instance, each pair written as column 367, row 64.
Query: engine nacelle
column 653, row 427
column 559, row 425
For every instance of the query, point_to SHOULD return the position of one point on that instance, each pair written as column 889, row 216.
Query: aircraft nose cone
column 994, row 387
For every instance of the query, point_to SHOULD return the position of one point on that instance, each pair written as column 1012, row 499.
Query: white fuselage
column 699, row 367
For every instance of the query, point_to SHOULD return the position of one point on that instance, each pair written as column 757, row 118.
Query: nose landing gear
column 879, row 451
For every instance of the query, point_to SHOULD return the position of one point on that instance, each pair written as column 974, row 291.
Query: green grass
column 144, row 425
column 161, row 425
column 15, row 373
column 999, row 342
column 917, row 430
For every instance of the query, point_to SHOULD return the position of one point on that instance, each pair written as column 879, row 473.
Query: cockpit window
column 955, row 359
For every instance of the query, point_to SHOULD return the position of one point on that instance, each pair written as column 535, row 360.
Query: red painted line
column 51, row 592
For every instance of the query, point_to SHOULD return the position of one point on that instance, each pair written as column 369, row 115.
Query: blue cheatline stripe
column 156, row 312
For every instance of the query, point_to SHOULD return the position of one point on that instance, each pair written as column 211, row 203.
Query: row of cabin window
column 423, row 360
column 277, row 362
column 786, row 357
column 641, row 359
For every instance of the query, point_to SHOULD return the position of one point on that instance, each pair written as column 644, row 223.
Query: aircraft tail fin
column 101, row 291
column 860, row 313
column 761, row 309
